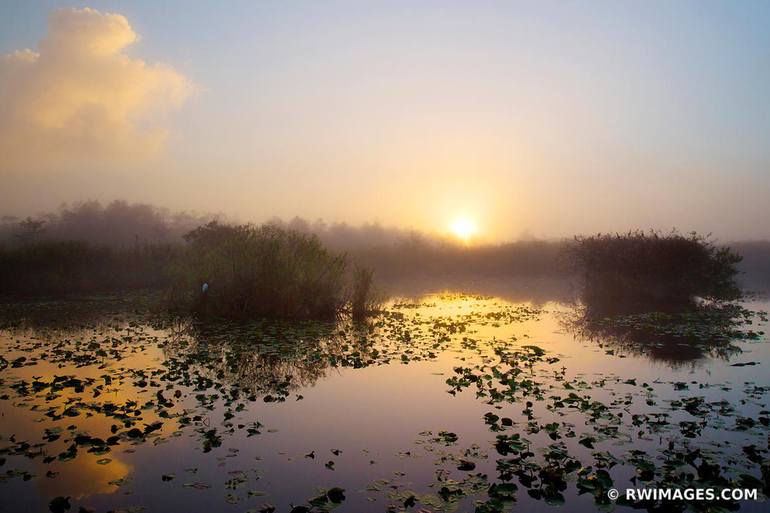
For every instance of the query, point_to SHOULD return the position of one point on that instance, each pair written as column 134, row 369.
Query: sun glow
column 463, row 228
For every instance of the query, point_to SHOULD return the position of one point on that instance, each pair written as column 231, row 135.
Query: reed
column 247, row 271
column 639, row 269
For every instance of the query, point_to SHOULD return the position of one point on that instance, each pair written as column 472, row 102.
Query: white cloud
column 80, row 100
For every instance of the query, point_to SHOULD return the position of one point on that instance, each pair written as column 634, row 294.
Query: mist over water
column 408, row 257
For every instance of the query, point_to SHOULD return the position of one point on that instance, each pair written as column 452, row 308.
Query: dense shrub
column 264, row 271
column 644, row 268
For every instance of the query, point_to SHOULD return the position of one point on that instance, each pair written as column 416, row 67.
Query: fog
column 542, row 120
column 404, row 260
column 116, row 224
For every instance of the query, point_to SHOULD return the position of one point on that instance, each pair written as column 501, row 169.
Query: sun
column 463, row 228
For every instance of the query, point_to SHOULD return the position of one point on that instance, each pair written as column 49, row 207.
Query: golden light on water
column 463, row 228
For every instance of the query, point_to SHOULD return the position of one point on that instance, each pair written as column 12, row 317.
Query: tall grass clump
column 248, row 271
column 649, row 268
column 364, row 301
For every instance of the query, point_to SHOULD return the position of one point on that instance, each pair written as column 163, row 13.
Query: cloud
column 80, row 100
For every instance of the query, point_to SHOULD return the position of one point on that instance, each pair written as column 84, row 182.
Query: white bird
column 204, row 288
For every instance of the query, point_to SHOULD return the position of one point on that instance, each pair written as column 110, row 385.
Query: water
column 249, row 417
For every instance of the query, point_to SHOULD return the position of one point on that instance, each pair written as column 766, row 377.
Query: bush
column 264, row 271
column 649, row 268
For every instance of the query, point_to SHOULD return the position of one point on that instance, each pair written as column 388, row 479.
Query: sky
column 521, row 119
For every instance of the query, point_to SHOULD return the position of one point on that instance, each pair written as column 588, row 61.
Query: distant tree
column 30, row 230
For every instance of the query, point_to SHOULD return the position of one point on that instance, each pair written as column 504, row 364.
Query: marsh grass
column 365, row 300
column 645, row 271
column 58, row 268
column 669, row 296
column 266, row 272
column 250, row 271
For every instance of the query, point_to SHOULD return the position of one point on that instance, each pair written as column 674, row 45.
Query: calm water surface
column 117, row 411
